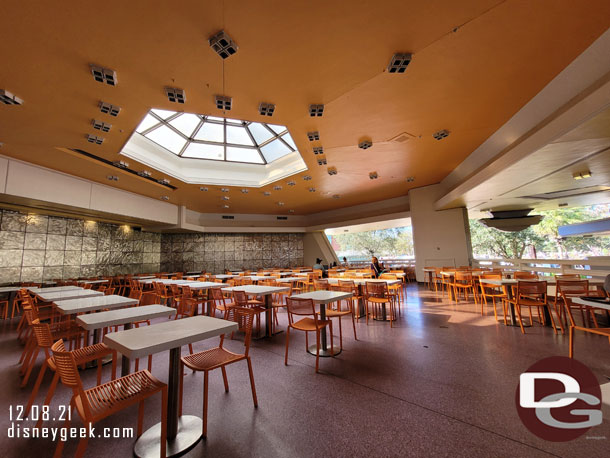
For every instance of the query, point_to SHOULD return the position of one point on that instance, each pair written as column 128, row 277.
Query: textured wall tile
column 52, row 273
column 88, row 258
column 199, row 257
column 138, row 245
column 103, row 244
column 53, row 258
column 35, row 241
column 103, row 257
column 88, row 271
column 71, row 272
column 72, row 258
column 75, row 227
column 56, row 242
column 229, row 255
column 57, row 226
column 11, row 240
column 31, row 274
column 90, row 229
column 10, row 274
column 33, row 258
column 10, row 258
column 74, row 242
column 37, row 223
column 147, row 247
column 89, row 244
column 156, row 247
column 13, row 221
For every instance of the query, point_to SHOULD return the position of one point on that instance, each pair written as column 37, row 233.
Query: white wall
column 440, row 238
column 316, row 245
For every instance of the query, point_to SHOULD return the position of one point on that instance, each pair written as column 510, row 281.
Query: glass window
column 163, row 114
column 147, row 123
column 277, row 129
column 186, row 123
column 244, row 155
column 167, row 138
column 274, row 150
column 204, row 151
column 239, row 136
column 288, row 139
column 260, row 133
column 211, row 133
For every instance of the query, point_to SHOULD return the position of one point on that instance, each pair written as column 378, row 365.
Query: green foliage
column 385, row 242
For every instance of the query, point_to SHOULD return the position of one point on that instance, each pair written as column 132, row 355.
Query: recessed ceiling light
column 291, row 183
column 318, row 150
column 266, row 109
column 441, row 134
column 121, row 164
column 281, row 204
column 164, row 181
column 225, row 197
column 313, row 136
column 321, row 160
column 223, row 102
column 108, row 108
column 203, row 188
column 336, row 196
column 144, row 173
column 586, row 174
column 8, row 98
column 101, row 125
column 223, row 44
column 164, row 197
column 332, row 170
column 291, row 211
column 224, row 189
column 175, row 95
column 307, row 177
column 312, row 189
column 266, row 193
column 104, row 75
column 365, row 144
column 581, row 175
column 373, row 175
column 226, row 206
column 244, row 191
column 95, row 139
column 277, row 188
column 410, row 179
column 112, row 178
column 399, row 62
column 316, row 110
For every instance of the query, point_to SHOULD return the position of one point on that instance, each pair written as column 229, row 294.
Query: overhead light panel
column 307, row 177
column 399, row 62
column 312, row 189
column 95, row 139
column 266, row 193
column 224, row 189
column 244, row 191
column 8, row 98
column 163, row 181
column 223, row 102
column 121, row 164
column 365, row 144
column 321, row 160
column 318, row 150
column 313, row 136
column 104, row 75
column 144, row 173
column 164, row 197
column 316, row 110
column 581, row 175
column 226, row 206
column 175, row 95
column 223, row 44
column 100, row 125
column 266, row 109
column 277, row 188
column 281, row 204
column 291, row 183
column 441, row 134
column 203, row 188
column 108, row 108
column 373, row 175
column 112, row 178
column 410, row 179
column 226, row 198
column 332, row 171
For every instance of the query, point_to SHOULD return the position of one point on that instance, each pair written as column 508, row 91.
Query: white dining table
column 53, row 289
column 185, row 431
column 93, row 282
column 322, row 298
column 93, row 304
column 596, row 304
column 65, row 295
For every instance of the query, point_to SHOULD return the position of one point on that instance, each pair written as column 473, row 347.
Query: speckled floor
column 440, row 383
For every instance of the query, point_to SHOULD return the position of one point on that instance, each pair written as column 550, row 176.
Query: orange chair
column 240, row 299
column 567, row 289
column 220, row 357
column 104, row 400
column 378, row 295
column 219, row 301
column 462, row 281
column 321, row 284
column 339, row 313
column 525, row 275
column 306, row 308
column 489, row 290
column 532, row 294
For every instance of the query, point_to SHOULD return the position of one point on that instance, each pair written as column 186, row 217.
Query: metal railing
column 595, row 267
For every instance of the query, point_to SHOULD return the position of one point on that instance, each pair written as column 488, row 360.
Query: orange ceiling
column 475, row 63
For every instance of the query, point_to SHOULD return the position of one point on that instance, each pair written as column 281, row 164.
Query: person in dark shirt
column 376, row 267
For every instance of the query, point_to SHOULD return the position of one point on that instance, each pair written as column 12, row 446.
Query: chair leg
column 82, row 444
column 60, row 444
column 224, row 378
column 254, row 399
column 519, row 316
column 180, row 389
column 340, row 334
column 287, row 339
column 50, row 393
column 354, row 324
column 36, row 387
column 163, row 444
column 332, row 345
column 31, row 363
column 317, row 349
column 205, row 404
column 571, row 333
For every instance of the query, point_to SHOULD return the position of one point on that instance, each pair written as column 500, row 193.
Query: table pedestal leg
column 125, row 362
column 324, row 347
column 182, row 432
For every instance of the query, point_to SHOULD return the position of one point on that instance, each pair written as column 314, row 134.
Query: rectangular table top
column 92, row 282
column 291, row 279
column 143, row 277
column 165, row 281
column 324, row 297
column 225, row 276
column 92, row 304
column 549, row 280
column 259, row 290
column 70, row 294
column 10, row 289
column 256, row 277
column 147, row 340
column 52, row 289
column 599, row 305
column 363, row 281
column 203, row 285
column 100, row 320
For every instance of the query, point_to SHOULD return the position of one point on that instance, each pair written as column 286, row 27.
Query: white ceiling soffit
column 578, row 93
column 374, row 226
column 199, row 171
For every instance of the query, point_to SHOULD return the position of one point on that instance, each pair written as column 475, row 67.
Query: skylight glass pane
column 259, row 132
column 277, row 129
column 147, row 123
column 204, row 151
column 243, row 155
column 238, row 136
column 274, row 150
column 235, row 121
column 213, row 118
column 163, row 114
column 167, row 138
column 186, row 123
column 211, row 132
column 288, row 139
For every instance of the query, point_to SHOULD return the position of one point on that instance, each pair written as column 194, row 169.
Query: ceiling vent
column 312, row 189
column 228, row 217
column 318, row 150
column 164, row 197
column 365, row 144
column 225, row 197
column 321, row 160
column 402, row 137
column 244, row 191
column 282, row 218
column 266, row 193
column 109, row 109
column 121, row 164
column 144, row 173
column 511, row 220
column 223, row 102
column 316, row 110
column 277, row 188
column 8, row 98
column 175, row 95
column 399, row 63
column 223, row 44
column 373, row 175
column 441, row 134
column 104, row 75
column 410, row 179
column 291, row 183
column 266, row 109
column 95, row 139
column 164, row 181
column 332, row 170
column 313, row 136
column 100, row 125
column 307, row 177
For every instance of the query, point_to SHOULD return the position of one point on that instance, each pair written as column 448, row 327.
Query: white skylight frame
column 186, row 135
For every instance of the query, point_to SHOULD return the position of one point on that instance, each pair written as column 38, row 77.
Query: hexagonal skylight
column 197, row 136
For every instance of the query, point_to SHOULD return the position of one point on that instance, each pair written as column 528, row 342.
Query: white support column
column 440, row 238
